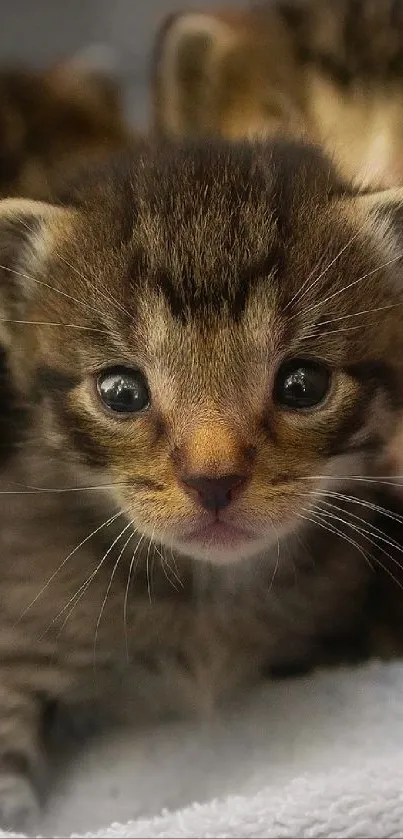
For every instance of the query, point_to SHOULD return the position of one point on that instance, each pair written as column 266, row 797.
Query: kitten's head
column 214, row 331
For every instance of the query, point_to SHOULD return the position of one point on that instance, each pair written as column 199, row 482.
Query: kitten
column 54, row 121
column 328, row 70
column 200, row 376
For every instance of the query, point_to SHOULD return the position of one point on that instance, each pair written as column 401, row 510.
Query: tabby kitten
column 328, row 70
column 53, row 121
column 199, row 376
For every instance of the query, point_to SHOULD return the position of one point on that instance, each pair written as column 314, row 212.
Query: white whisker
column 86, row 280
column 322, row 274
column 81, row 591
column 148, row 568
column 354, row 283
column 298, row 292
column 371, row 528
column 333, row 530
column 108, row 297
column 277, row 564
column 51, row 287
column 44, row 490
column 358, row 314
column 114, row 570
column 126, row 599
column 370, row 505
column 70, row 555
column 367, row 535
column 55, row 323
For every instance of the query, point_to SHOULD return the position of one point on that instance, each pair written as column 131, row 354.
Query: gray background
column 36, row 32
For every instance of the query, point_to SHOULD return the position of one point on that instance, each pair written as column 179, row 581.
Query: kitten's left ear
column 27, row 229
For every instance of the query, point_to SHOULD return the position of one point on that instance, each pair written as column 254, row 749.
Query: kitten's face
column 225, row 338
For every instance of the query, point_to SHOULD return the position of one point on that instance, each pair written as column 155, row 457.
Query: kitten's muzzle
column 214, row 494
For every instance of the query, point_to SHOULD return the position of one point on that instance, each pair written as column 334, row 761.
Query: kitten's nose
column 214, row 493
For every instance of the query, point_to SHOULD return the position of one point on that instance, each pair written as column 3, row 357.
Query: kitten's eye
column 123, row 390
column 301, row 384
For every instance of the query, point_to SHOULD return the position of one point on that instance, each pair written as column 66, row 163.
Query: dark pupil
column 303, row 386
column 125, row 392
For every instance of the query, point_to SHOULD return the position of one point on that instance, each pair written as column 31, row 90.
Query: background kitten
column 53, row 121
column 330, row 71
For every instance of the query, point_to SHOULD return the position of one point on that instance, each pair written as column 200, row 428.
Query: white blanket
column 316, row 757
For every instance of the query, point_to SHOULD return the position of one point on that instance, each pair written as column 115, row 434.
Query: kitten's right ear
column 26, row 231
column 190, row 49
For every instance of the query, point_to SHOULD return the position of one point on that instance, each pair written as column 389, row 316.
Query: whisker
column 126, row 600
column 364, row 532
column 78, row 273
column 375, row 559
column 276, row 567
column 164, row 565
column 383, row 480
column 83, row 303
column 358, row 314
column 54, row 323
column 338, row 255
column 70, row 555
column 316, row 335
column 108, row 297
column 376, row 531
column 114, row 570
column 333, row 530
column 148, row 568
column 43, row 490
column 175, row 569
column 298, row 292
column 350, row 285
column 377, row 508
column 81, row 591
column 164, row 562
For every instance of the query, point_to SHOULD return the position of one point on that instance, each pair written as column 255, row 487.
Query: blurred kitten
column 53, row 121
column 329, row 70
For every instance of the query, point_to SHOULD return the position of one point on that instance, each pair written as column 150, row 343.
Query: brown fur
column 192, row 264
column 328, row 70
column 53, row 121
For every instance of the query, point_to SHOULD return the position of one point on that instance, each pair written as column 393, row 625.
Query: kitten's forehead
column 201, row 242
column 218, row 220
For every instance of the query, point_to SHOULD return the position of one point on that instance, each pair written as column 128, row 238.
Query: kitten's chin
column 222, row 543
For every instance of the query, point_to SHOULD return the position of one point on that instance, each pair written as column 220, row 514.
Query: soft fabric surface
column 316, row 757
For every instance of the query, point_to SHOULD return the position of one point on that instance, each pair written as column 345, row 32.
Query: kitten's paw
column 19, row 806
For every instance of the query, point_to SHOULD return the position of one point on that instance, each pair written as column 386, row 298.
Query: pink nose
column 214, row 493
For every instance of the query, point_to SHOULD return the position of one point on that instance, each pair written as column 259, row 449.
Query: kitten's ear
column 25, row 233
column 190, row 51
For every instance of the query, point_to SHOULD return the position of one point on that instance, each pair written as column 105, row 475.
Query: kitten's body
column 329, row 70
column 200, row 267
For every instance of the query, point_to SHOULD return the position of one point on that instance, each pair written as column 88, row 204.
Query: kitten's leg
column 21, row 755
